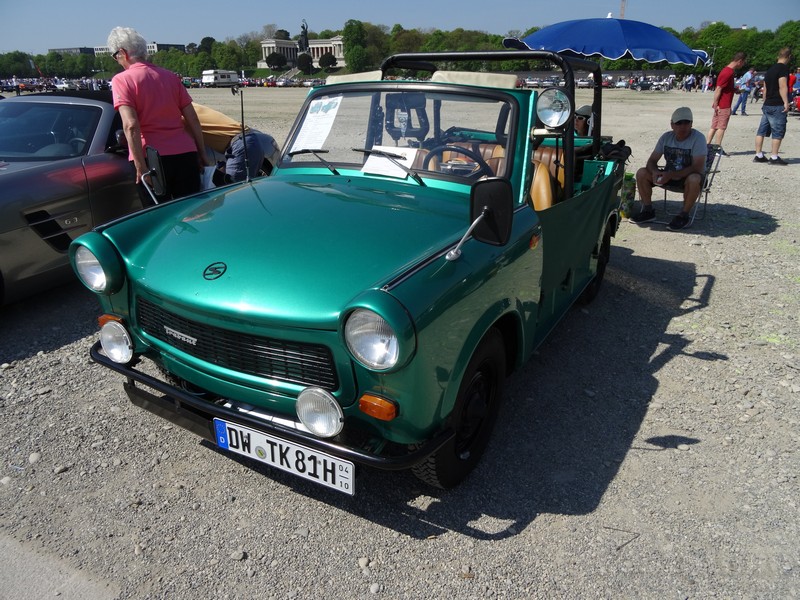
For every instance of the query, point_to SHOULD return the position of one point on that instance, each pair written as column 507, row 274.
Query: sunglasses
column 684, row 122
column 114, row 56
column 580, row 117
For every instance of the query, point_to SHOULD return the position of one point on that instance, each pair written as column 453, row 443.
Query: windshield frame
column 377, row 129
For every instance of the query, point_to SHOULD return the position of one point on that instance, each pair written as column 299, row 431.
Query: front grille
column 292, row 362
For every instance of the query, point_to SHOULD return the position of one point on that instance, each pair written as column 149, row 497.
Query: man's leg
column 759, row 143
column 644, row 183
column 738, row 103
column 691, row 191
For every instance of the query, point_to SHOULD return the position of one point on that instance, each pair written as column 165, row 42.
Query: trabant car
column 364, row 304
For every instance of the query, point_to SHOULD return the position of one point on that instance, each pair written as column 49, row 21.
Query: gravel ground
column 648, row 450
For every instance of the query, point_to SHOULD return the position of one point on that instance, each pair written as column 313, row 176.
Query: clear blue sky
column 34, row 26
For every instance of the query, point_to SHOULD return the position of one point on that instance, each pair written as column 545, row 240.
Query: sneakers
column 777, row 161
column 645, row 215
column 723, row 153
column 761, row 159
column 744, row 114
column 679, row 222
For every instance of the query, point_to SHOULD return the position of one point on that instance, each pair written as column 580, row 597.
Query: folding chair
column 713, row 156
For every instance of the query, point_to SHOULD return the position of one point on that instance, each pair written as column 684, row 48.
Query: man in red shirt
column 723, row 99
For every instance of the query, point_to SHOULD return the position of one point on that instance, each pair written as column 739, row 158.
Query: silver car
column 62, row 172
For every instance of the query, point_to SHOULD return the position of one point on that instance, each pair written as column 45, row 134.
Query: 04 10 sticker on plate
column 293, row 458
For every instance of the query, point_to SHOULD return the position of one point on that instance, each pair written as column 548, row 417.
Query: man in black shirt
column 775, row 108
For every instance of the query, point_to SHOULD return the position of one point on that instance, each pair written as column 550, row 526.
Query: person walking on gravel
column 684, row 150
column 723, row 100
column 774, row 109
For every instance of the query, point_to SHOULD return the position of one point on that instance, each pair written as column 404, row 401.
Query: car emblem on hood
column 215, row 270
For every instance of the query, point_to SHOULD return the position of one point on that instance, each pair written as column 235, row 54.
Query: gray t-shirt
column 677, row 154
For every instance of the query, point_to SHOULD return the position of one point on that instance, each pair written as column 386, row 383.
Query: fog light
column 319, row 412
column 116, row 342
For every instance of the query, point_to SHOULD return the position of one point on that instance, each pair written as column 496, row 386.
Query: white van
column 220, row 78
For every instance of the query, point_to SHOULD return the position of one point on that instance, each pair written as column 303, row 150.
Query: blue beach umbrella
column 612, row 39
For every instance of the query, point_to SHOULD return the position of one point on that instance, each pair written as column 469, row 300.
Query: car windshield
column 45, row 131
column 405, row 133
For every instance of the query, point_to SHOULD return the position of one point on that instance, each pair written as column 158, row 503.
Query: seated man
column 684, row 149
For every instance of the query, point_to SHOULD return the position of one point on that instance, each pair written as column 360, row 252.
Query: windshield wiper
column 395, row 159
column 316, row 152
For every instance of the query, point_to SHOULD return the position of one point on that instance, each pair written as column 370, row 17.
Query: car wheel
column 600, row 255
column 473, row 417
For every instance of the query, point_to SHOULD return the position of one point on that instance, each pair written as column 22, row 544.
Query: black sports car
column 62, row 172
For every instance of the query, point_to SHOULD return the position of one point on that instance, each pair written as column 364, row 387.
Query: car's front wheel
column 473, row 417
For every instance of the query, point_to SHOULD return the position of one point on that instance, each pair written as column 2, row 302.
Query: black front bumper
column 197, row 415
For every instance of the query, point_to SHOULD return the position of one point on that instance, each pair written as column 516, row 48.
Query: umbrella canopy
column 612, row 39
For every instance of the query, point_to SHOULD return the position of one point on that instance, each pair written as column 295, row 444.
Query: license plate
column 287, row 456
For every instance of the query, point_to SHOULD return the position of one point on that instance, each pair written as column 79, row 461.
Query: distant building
column 152, row 48
column 71, row 50
column 291, row 50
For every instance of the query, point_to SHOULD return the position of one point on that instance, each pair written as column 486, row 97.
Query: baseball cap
column 584, row 110
column 684, row 113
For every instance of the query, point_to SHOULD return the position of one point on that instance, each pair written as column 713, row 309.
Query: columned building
column 291, row 50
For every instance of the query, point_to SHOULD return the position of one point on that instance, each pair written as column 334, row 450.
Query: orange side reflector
column 377, row 407
column 103, row 319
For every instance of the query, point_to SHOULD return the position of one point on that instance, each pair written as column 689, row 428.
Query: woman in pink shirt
column 154, row 107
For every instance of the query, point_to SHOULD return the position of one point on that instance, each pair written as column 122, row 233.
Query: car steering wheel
column 77, row 143
column 483, row 167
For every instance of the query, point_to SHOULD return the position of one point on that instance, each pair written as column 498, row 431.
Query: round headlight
column 116, row 342
column 320, row 412
column 553, row 108
column 371, row 340
column 89, row 269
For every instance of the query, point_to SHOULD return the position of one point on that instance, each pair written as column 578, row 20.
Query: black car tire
column 473, row 417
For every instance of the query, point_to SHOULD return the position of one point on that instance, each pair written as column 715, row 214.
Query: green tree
column 305, row 63
column 276, row 61
column 202, row 62
column 16, row 63
column 227, row 55
column 356, row 59
column 206, row 44
column 327, row 61
column 251, row 53
column 354, row 38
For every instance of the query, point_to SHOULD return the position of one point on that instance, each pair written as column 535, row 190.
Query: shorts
column 773, row 122
column 721, row 118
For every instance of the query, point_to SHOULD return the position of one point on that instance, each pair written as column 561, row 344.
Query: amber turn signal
column 103, row 319
column 377, row 407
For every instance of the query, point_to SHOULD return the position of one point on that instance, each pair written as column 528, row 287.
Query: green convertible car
column 364, row 304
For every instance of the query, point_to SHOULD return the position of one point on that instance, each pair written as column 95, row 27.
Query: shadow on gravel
column 569, row 419
column 722, row 220
column 47, row 321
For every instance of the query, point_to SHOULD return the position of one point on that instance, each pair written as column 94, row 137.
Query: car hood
column 288, row 252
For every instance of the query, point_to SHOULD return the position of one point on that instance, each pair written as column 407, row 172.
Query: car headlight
column 319, row 412
column 116, row 342
column 97, row 263
column 90, row 270
column 371, row 340
column 554, row 108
